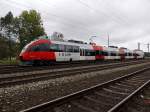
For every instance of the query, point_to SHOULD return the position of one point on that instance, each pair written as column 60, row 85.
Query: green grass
column 8, row 62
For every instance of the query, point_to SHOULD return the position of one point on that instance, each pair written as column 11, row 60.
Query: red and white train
column 46, row 51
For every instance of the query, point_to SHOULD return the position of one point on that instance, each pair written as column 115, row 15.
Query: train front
column 24, row 55
column 37, row 53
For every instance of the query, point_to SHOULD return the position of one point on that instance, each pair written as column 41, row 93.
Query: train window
column 113, row 54
column 61, row 48
column 89, row 52
column 99, row 52
column 69, row 48
column 92, row 53
column 75, row 48
column 130, row 54
column 117, row 54
column 54, row 47
column 105, row 53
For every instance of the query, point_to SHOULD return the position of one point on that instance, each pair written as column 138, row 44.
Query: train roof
column 82, row 44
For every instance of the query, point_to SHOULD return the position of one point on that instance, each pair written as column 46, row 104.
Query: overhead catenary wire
column 68, row 21
column 65, row 20
column 114, row 13
column 116, row 20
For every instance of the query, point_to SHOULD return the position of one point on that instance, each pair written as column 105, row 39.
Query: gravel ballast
column 13, row 99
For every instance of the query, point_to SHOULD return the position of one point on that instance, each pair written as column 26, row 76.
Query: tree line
column 17, row 31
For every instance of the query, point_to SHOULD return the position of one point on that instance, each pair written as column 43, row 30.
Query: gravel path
column 13, row 99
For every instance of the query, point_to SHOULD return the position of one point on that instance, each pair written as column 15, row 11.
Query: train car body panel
column 122, row 53
column 138, row 54
column 66, row 51
column 87, row 52
column 111, row 53
column 99, row 55
column 46, row 50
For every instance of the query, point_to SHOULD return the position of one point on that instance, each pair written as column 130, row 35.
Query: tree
column 4, row 53
column 4, row 48
column 24, row 28
column 6, row 24
column 30, row 27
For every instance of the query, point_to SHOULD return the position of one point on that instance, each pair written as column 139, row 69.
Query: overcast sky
column 126, row 21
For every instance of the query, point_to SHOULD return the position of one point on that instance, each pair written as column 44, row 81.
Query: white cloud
column 127, row 21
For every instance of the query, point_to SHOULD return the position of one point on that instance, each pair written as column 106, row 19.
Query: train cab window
column 44, row 47
column 35, row 48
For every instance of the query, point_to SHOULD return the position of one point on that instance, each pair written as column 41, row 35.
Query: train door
column 82, row 54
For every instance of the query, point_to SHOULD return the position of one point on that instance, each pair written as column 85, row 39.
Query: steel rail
column 77, row 95
column 120, row 104
column 25, row 78
column 19, row 69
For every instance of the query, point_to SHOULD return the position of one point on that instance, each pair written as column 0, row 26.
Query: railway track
column 140, row 102
column 15, row 79
column 8, row 69
column 105, row 97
